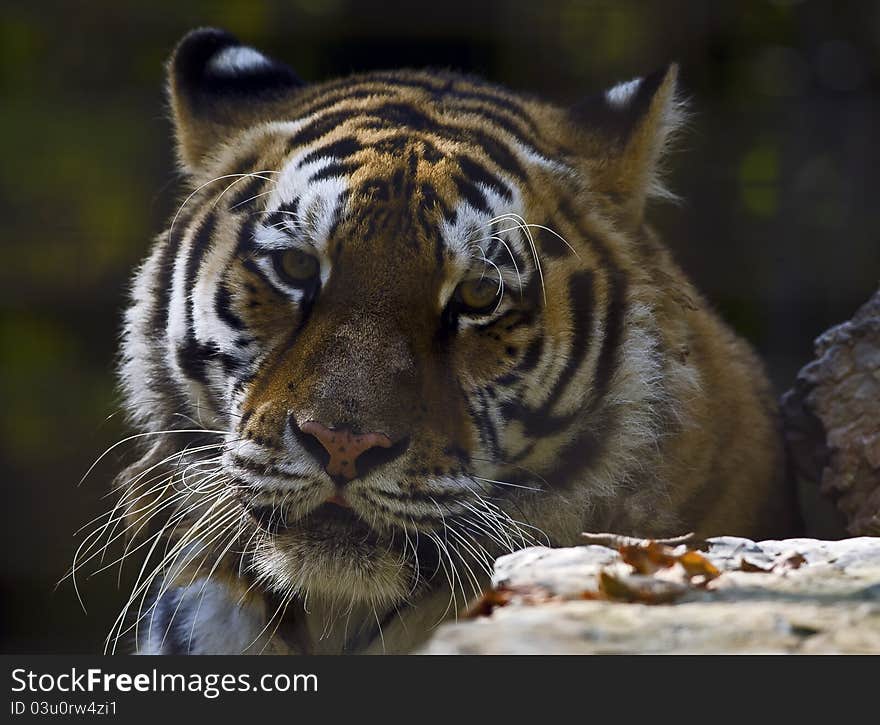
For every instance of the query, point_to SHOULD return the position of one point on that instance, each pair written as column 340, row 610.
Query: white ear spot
column 622, row 93
column 238, row 59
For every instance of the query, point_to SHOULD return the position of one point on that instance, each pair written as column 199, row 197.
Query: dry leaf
column 488, row 601
column 661, row 574
column 695, row 564
column 794, row 561
column 647, row 558
column 753, row 567
column 492, row 599
column 639, row 588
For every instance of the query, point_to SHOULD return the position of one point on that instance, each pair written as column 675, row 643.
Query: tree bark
column 832, row 427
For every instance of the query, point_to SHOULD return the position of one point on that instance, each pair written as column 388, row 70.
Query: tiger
column 402, row 323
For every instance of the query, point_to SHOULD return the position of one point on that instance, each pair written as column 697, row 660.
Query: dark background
column 777, row 227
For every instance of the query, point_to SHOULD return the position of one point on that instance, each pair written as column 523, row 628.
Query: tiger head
column 400, row 301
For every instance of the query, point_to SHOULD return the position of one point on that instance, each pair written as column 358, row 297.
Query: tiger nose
column 345, row 448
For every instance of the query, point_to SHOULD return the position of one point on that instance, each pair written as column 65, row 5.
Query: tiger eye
column 297, row 266
column 478, row 295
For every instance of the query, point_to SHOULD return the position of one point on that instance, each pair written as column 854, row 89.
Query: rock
column 791, row 596
column 831, row 419
column 563, row 572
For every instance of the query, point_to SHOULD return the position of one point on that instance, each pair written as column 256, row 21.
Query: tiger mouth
column 329, row 515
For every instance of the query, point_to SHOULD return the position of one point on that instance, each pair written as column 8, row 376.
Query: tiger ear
column 218, row 86
column 625, row 131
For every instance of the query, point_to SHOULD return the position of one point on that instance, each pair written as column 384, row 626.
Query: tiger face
column 390, row 322
column 418, row 319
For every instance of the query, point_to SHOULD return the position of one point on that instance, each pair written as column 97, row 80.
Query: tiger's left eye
column 295, row 266
column 478, row 296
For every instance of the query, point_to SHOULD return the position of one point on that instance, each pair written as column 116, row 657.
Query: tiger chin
column 402, row 323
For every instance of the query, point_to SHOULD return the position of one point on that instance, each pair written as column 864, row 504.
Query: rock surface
column 792, row 596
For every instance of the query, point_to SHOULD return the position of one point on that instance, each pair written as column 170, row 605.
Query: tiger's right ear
column 218, row 86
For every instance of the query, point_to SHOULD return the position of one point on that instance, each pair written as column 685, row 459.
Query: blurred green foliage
column 778, row 223
column 759, row 176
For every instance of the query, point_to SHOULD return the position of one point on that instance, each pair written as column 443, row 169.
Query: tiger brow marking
column 498, row 238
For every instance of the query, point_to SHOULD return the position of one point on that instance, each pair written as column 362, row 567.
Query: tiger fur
column 597, row 391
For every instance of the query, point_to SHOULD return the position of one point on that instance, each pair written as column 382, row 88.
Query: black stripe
column 508, row 379
column 448, row 87
column 243, row 378
column 287, row 213
column 579, row 453
column 405, row 114
column 445, row 496
column 376, row 188
column 192, row 355
column 319, row 128
column 340, row 149
column 160, row 382
column 201, row 242
column 529, row 137
column 338, row 212
column 550, row 244
column 243, row 197
column 332, row 170
column 505, row 104
column 510, row 320
column 498, row 153
column 503, row 158
column 165, row 276
column 246, row 165
column 223, row 296
column 479, row 174
column 532, row 355
column 485, row 426
column 223, row 307
column 398, row 115
column 614, row 322
column 472, row 195
column 615, row 309
column 506, row 254
column 580, row 293
column 431, row 199
column 540, row 422
column 335, row 92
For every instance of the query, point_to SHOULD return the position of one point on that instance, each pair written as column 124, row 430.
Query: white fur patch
column 318, row 200
column 533, row 157
column 236, row 60
column 139, row 354
column 622, row 93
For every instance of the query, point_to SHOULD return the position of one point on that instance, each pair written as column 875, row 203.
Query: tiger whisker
column 147, row 434
column 235, row 536
column 255, row 196
column 198, row 189
column 521, row 224
column 207, row 523
column 128, row 501
column 505, row 483
column 215, row 532
column 475, row 582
